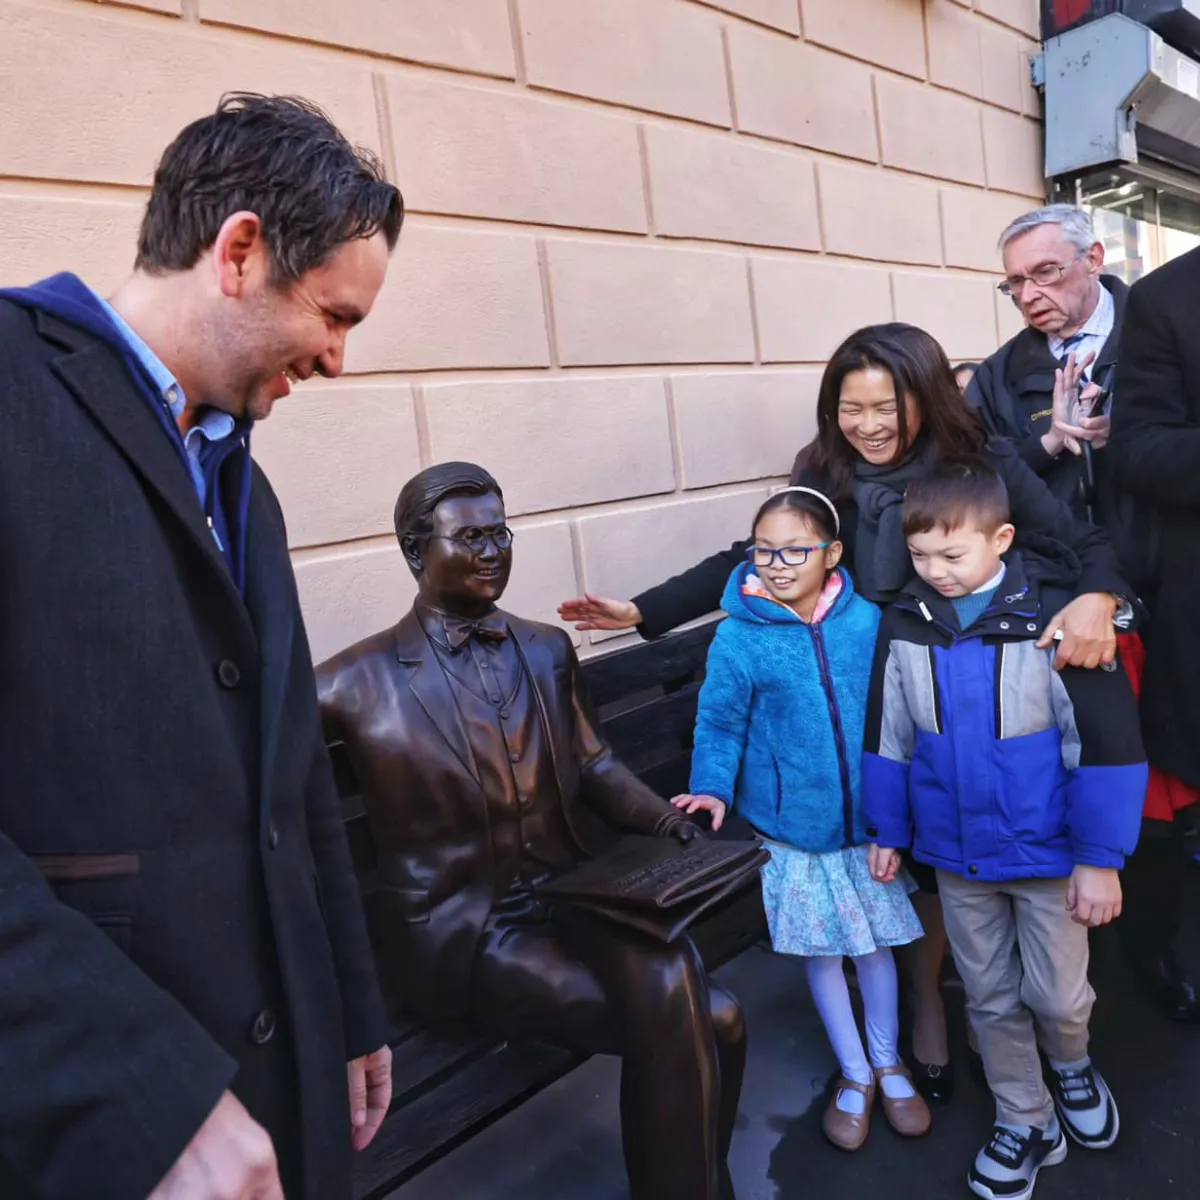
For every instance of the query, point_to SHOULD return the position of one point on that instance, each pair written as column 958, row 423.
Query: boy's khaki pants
column 1024, row 965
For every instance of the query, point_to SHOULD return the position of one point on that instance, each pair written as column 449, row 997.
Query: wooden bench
column 450, row 1081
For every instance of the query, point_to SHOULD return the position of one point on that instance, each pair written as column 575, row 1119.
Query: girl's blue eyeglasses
column 790, row 556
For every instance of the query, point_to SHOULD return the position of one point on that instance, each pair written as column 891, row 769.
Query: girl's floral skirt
column 828, row 904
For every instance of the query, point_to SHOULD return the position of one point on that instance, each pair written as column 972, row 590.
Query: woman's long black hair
column 919, row 369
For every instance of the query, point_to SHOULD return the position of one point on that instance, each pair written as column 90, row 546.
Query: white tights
column 881, row 1001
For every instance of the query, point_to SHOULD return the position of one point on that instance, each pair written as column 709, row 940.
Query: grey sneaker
column 1085, row 1107
column 1006, row 1168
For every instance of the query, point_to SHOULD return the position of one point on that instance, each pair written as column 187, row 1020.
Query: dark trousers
column 1152, row 883
column 594, row 987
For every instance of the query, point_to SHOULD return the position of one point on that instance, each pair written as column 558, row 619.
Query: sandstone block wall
column 637, row 228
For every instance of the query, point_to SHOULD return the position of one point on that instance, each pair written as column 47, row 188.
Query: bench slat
column 731, row 927
column 670, row 777
column 667, row 722
column 424, row 1060
column 653, row 664
column 434, row 1123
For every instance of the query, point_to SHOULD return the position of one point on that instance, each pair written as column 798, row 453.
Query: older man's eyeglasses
column 1046, row 275
column 790, row 556
column 476, row 540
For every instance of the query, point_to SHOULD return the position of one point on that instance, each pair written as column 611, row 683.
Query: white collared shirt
column 1091, row 336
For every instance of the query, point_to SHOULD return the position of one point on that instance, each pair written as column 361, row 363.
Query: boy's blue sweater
column 779, row 731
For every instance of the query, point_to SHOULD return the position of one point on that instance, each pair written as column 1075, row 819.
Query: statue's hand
column 679, row 828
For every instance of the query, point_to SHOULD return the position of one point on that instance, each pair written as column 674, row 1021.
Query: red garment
column 1165, row 795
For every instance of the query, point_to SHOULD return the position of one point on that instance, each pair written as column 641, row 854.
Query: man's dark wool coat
column 1156, row 452
column 178, row 913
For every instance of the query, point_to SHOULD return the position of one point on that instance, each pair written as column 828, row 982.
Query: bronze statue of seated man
column 483, row 769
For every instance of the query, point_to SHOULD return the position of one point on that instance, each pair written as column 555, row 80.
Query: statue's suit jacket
column 387, row 698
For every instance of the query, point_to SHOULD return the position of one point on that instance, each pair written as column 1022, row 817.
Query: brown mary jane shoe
column 846, row 1130
column 908, row 1116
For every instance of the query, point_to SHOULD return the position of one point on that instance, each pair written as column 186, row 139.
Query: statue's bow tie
column 492, row 628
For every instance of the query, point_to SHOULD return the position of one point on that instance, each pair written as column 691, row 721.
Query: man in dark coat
column 485, row 773
column 188, row 1006
column 1156, row 453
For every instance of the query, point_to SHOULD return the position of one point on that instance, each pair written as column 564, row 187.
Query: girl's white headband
column 837, row 524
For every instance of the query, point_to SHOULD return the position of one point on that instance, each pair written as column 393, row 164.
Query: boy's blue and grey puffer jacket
column 780, row 725
column 981, row 757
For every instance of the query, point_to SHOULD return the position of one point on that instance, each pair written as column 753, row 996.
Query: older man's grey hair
column 1076, row 225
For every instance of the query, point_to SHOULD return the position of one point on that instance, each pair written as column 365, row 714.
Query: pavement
column 564, row 1144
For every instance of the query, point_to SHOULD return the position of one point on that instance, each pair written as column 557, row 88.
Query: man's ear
column 238, row 253
column 1003, row 538
column 410, row 547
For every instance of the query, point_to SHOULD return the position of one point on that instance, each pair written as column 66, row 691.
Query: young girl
column 779, row 736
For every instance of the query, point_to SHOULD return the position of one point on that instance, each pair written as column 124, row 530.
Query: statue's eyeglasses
column 476, row 540
column 790, row 556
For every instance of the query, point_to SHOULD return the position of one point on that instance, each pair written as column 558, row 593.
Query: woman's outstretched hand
column 710, row 804
column 600, row 612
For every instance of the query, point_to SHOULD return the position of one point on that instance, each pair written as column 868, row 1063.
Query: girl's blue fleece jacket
column 779, row 731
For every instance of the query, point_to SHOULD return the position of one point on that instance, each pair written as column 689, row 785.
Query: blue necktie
column 1068, row 345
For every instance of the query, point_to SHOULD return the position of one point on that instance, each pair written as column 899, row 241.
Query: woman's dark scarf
column 882, row 565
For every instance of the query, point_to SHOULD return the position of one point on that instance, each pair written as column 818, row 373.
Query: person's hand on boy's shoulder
column 1094, row 895
column 883, row 864
column 1084, row 632
column 691, row 804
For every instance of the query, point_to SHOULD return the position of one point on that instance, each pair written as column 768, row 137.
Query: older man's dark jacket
column 389, row 700
column 177, row 907
column 1014, row 393
column 1156, row 453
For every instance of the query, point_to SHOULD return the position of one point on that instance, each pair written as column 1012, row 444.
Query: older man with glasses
column 1053, row 268
column 1050, row 389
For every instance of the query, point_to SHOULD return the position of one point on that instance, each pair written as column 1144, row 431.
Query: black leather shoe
column 1169, row 988
column 934, row 1083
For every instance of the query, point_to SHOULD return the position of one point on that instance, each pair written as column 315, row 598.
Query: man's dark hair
column 421, row 495
column 281, row 158
column 953, row 498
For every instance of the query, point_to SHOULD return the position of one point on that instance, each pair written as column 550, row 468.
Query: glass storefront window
column 1140, row 225
column 1128, row 242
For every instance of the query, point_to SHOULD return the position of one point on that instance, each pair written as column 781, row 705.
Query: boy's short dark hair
column 951, row 498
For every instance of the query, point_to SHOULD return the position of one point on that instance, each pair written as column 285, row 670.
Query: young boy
column 1023, row 787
